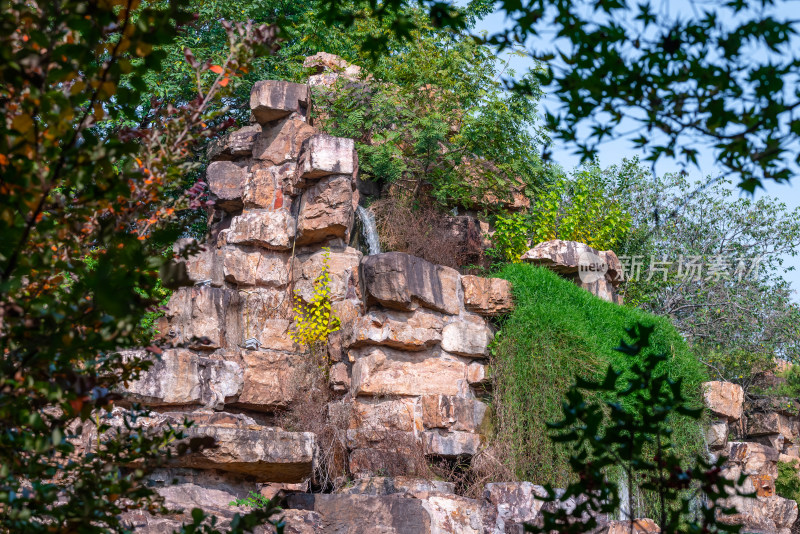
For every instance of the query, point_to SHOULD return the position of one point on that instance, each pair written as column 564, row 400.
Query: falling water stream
column 369, row 230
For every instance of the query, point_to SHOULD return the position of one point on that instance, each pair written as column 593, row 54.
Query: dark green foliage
column 558, row 331
column 632, row 429
column 715, row 77
column 788, row 482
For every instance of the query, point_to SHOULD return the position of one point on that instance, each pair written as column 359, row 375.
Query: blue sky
column 613, row 151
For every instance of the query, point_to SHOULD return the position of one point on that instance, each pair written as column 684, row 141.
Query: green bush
column 556, row 332
column 787, row 484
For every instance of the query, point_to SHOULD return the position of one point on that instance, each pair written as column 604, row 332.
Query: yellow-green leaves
column 315, row 320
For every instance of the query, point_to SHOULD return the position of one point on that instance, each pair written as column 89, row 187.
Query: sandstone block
column 268, row 454
column 259, row 314
column 724, row 399
column 476, row 374
column 197, row 317
column 235, row 144
column 453, row 513
column 269, row 186
column 271, row 380
column 339, row 377
column 391, row 485
column 398, row 461
column 204, row 266
column 639, row 526
column 763, row 514
column 753, row 458
column 280, row 142
column 271, row 100
column 226, row 181
column 468, row 336
column 512, row 504
column 455, row 413
column 343, row 269
column 765, row 423
column 366, row 514
column 717, row 435
column 401, row 281
column 262, row 228
column 246, row 267
column 326, row 210
column 378, row 415
column 418, row 330
column 383, row 371
column 487, row 296
column 322, row 155
column 451, row 444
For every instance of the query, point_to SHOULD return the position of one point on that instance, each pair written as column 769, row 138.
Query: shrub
column 787, row 484
column 315, row 320
column 510, row 238
column 556, row 332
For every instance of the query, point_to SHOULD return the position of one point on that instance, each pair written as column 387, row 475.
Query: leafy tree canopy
column 721, row 75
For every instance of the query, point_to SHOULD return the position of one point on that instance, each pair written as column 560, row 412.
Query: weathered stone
column 639, row 526
column 487, row 296
column 467, row 336
column 269, row 186
column 280, row 141
column 235, row 144
column 451, row 444
column 596, row 271
column 258, row 315
column 717, row 435
column 401, row 281
column 271, row 380
column 322, row 155
column 774, row 515
column 173, row 379
column 754, row 458
column 391, row 485
column 205, row 266
column 347, row 311
column 724, row 399
column 198, row 319
column 326, row 210
column 512, row 504
column 396, row 461
column 387, row 514
column 384, row 371
column 453, row 513
column 379, row 415
column 418, row 330
column 455, row 413
column 343, row 270
column 765, row 423
column 263, row 228
column 271, row 100
column 226, row 181
column 476, row 374
column 255, row 267
column 339, row 377
column 265, row 453
column 782, row 405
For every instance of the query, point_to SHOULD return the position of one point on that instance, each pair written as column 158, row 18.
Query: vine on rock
column 315, row 320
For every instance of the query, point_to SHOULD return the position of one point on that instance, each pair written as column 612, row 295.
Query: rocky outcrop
column 754, row 437
column 599, row 272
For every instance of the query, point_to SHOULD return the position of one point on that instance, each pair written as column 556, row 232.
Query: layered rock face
column 407, row 366
column 755, row 436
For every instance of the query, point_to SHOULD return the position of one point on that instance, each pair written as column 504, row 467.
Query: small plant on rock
column 315, row 320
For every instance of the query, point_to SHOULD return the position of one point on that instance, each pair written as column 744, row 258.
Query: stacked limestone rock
column 764, row 431
column 408, row 363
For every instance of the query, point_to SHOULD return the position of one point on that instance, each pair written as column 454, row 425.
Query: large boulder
column 235, row 144
column 269, row 186
column 270, row 380
column 181, row 377
column 203, row 267
column 404, row 282
column 226, row 181
column 452, row 412
column 451, row 444
column 271, row 100
column 198, row 317
column 253, row 266
column 326, row 210
column 467, row 336
column 724, row 399
column 487, row 296
column 417, row 330
column 380, row 371
column 272, row 229
column 342, row 268
column 322, row 155
column 512, row 505
column 280, row 141
column 599, row 272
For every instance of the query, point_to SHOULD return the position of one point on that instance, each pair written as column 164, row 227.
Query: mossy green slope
column 557, row 331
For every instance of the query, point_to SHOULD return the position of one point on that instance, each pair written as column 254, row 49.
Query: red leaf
column 224, row 81
column 216, row 69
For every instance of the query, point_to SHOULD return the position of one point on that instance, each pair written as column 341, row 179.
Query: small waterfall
column 624, row 497
column 369, row 230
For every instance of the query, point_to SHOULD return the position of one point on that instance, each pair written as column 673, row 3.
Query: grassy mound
column 558, row 331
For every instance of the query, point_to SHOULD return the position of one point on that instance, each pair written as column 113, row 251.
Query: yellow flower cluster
column 314, row 320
